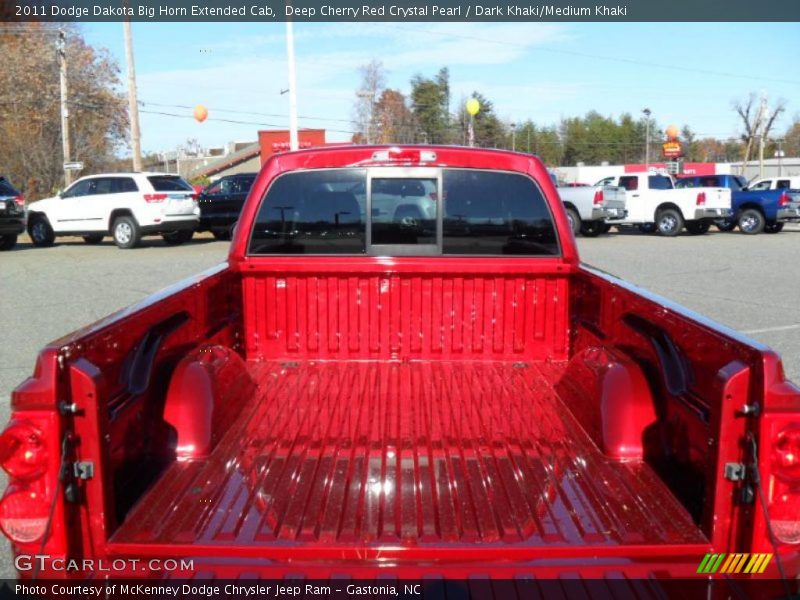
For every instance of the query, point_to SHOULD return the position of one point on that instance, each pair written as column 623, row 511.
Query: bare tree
column 792, row 137
column 373, row 82
column 191, row 147
column 757, row 120
column 780, row 107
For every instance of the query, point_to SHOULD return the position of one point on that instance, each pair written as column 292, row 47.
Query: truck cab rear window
column 659, row 182
column 442, row 211
column 313, row 212
column 495, row 213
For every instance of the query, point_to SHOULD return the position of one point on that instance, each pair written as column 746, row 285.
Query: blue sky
column 542, row 71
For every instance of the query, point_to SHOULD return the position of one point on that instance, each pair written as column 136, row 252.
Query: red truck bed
column 408, row 452
column 325, row 405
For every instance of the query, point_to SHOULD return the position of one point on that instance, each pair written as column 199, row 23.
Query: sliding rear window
column 388, row 213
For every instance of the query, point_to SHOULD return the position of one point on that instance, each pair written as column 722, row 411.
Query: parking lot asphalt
column 749, row 283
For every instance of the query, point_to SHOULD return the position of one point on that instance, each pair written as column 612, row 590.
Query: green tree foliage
column 430, row 103
column 595, row 139
column 544, row 142
column 691, row 146
column 489, row 130
column 592, row 139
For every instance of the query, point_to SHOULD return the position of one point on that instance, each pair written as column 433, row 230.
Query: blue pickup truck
column 754, row 210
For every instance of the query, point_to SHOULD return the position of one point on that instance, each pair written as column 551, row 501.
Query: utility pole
column 368, row 96
column 762, row 110
column 62, row 66
column 471, row 131
column 294, row 143
column 779, row 154
column 647, row 114
column 133, row 104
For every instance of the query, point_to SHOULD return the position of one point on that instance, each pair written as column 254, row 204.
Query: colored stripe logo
column 734, row 563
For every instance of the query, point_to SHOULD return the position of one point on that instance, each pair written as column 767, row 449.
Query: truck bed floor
column 433, row 453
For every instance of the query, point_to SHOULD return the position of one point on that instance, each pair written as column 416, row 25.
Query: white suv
column 123, row 205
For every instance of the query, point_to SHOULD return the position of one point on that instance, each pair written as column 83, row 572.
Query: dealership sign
column 671, row 149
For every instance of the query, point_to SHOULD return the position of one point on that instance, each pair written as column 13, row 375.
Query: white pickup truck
column 775, row 183
column 592, row 210
column 653, row 203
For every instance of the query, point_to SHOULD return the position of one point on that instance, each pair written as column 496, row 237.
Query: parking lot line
column 770, row 329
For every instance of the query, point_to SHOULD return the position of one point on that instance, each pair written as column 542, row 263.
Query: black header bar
column 401, row 11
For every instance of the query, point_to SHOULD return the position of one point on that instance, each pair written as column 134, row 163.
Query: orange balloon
column 672, row 132
column 200, row 113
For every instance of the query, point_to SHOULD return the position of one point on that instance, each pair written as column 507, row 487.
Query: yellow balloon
column 473, row 106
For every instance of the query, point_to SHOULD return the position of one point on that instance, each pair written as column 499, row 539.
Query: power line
column 400, row 128
column 235, row 121
column 246, row 112
column 591, row 55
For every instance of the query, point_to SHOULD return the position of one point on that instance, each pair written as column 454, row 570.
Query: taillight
column 155, row 197
column 701, row 199
column 20, row 199
column 24, row 514
column 780, row 462
column 784, row 199
column 598, row 197
column 23, row 454
column 786, row 454
column 784, row 513
column 26, row 454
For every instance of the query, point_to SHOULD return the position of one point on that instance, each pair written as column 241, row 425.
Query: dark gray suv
column 12, row 214
column 222, row 201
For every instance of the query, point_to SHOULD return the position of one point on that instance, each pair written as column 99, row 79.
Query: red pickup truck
column 403, row 367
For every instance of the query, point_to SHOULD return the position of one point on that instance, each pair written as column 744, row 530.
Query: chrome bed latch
column 83, row 470
column 735, row 471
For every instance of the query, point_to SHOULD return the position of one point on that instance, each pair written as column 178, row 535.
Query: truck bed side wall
column 699, row 377
column 121, row 368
